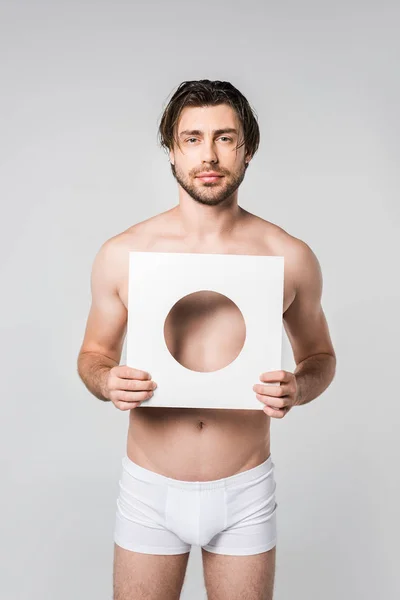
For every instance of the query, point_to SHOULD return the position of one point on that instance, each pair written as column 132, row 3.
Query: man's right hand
column 127, row 387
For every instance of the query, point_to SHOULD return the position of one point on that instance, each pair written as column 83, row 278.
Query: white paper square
column 157, row 280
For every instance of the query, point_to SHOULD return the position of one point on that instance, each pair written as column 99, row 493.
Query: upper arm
column 304, row 320
column 107, row 319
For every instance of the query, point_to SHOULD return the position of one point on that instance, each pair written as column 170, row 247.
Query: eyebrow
column 215, row 131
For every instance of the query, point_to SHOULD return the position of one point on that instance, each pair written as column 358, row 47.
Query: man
column 202, row 476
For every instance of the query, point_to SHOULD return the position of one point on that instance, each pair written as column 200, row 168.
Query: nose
column 209, row 154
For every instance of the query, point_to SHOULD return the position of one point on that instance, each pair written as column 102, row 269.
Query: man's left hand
column 278, row 399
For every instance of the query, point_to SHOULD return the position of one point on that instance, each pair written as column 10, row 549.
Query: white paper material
column 158, row 280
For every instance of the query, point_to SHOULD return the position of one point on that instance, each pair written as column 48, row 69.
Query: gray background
column 83, row 87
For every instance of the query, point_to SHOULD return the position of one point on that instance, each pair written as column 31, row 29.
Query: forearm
column 93, row 369
column 313, row 375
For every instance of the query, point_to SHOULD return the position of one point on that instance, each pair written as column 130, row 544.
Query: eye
column 223, row 137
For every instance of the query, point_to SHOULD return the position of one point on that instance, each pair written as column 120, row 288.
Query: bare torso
column 200, row 444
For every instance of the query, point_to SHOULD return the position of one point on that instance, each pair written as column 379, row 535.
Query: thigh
column 248, row 577
column 139, row 576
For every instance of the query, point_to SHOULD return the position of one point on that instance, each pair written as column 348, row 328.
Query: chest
column 241, row 246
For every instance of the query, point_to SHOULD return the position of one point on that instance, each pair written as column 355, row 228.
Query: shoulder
column 111, row 261
column 282, row 240
column 302, row 266
column 134, row 237
column 306, row 267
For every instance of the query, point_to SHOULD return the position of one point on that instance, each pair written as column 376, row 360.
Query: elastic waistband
column 262, row 470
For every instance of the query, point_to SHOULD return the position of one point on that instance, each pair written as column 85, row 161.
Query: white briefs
column 235, row 515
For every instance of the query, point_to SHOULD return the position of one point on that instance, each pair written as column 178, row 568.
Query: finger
column 135, row 385
column 271, row 376
column 273, row 412
column 127, row 405
column 126, row 372
column 276, row 403
column 271, row 390
column 133, row 396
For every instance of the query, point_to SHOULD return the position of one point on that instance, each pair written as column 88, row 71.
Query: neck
column 202, row 222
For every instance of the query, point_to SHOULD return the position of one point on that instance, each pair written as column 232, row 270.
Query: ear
column 171, row 157
column 247, row 158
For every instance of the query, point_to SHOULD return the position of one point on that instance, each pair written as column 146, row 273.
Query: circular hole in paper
column 205, row 331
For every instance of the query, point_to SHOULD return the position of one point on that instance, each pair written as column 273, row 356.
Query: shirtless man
column 206, row 127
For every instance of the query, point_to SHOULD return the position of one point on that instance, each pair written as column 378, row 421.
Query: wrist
column 103, row 377
column 298, row 395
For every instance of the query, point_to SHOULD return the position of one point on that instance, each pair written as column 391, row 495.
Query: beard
column 210, row 193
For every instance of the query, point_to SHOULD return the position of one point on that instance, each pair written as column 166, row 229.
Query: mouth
column 209, row 178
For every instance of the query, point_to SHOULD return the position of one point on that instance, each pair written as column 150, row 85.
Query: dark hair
column 209, row 93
